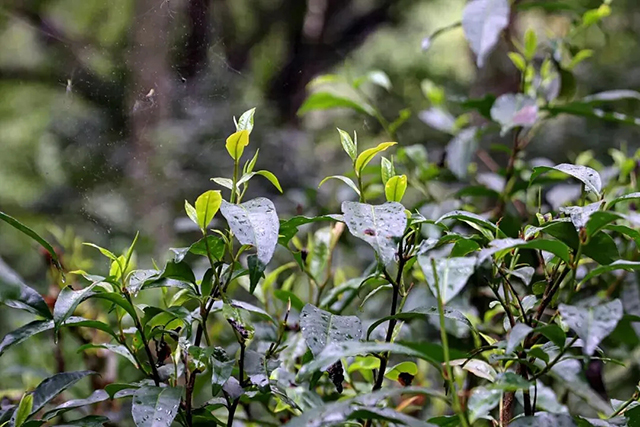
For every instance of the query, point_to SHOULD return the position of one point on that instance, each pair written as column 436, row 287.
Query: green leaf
column 386, row 169
column 377, row 77
column 460, row 152
column 623, row 198
column 612, row 95
column 66, row 303
column 270, row 176
column 554, row 333
column 592, row 324
column 452, row 275
column 601, row 247
column 381, row 226
column 96, row 396
column 589, row 177
column 115, row 348
column 207, row 206
column 599, row 220
column 482, row 22
column 106, row 252
column 584, row 109
column 421, row 313
column 518, row 60
column 395, row 187
column 256, row 271
column 344, row 179
column 530, row 44
column 54, row 385
column 155, row 406
column 88, row 421
column 216, row 246
column 35, row 236
column 514, row 110
column 245, row 122
column 221, row 369
column 580, row 215
column 254, row 223
column 191, row 212
column 236, row 143
column 367, row 155
column 620, row 264
column 289, row 227
column 482, row 401
column 502, row 246
column 285, row 296
column 15, row 294
column 24, row 410
column 403, row 367
column 477, row 367
column 321, row 328
column 347, row 144
column 473, row 220
column 326, row 101
column 510, row 381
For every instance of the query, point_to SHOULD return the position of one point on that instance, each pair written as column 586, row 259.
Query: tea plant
column 550, row 277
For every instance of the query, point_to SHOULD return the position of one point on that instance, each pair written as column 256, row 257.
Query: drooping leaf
column 460, row 152
column 344, row 179
column 473, row 220
column 207, row 205
column 54, row 385
column 482, row 401
column 256, row 271
column 35, row 236
column 589, row 177
column 245, row 122
column 155, row 406
column 479, row 368
column 451, row 274
column 599, row 220
column 221, row 368
column 348, row 145
column 215, row 244
column 16, row 294
column 321, row 328
column 501, row 246
column 482, row 22
column 236, row 143
column 584, row 109
column 289, row 227
column 377, row 77
column 115, row 348
column 513, row 110
column 592, row 324
column 620, row 264
column 611, row 95
column 623, row 198
column 327, row 101
column 381, row 226
column 395, row 187
column 95, row 397
column 518, row 333
column 420, row 313
column 366, row 156
column 67, row 301
column 269, row 175
column 254, row 223
column 580, row 215
column 191, row 212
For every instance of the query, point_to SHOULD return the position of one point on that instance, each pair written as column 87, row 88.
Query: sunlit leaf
column 366, row 156
column 245, row 122
column 207, row 206
column 395, row 187
column 344, row 179
column 270, row 176
column 236, row 143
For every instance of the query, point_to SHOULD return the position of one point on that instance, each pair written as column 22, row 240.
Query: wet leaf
column 344, row 179
column 460, row 152
column 236, row 143
column 348, row 145
column 254, row 223
column 592, row 324
column 589, row 177
column 96, row 396
column 452, row 275
column 16, row 294
column 395, row 187
column 321, row 328
column 381, row 226
column 54, row 385
column 544, row 419
column 367, row 155
column 482, row 401
column 206, row 207
column 516, row 335
column 155, row 406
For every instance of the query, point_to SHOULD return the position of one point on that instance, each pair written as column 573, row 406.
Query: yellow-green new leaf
column 236, row 143
column 270, row 176
column 348, row 144
column 344, row 179
column 24, row 410
column 207, row 206
column 367, row 155
column 395, row 187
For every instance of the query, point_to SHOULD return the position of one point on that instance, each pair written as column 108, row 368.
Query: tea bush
column 529, row 282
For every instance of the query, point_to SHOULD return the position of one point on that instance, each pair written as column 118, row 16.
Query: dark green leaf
column 616, row 265
column 421, row 313
column 321, row 328
column 14, row 293
column 554, row 333
column 289, row 227
column 88, row 421
column 592, row 324
column 589, row 177
column 256, row 271
column 285, row 296
column 451, row 274
column 327, row 100
column 67, row 301
column 54, row 385
column 96, row 396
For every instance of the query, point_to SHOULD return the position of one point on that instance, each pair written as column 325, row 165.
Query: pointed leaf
column 236, row 143
column 482, row 401
column 381, row 226
column 452, row 275
column 54, row 385
column 580, row 215
column 206, row 207
column 420, row 313
column 477, row 367
column 592, row 324
column 245, row 122
column 516, row 335
column 35, row 236
column 386, row 169
column 254, row 223
column 347, row 144
column 23, row 411
column 16, row 294
column 589, row 177
column 270, row 176
column 544, row 419
column 256, row 271
column 482, row 22
column 620, row 264
column 367, row 155
column 155, row 406
column 96, row 396
column 115, row 348
column 320, row 328
column 66, row 303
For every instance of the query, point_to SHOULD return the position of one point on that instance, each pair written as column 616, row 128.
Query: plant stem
column 445, row 349
column 145, row 342
column 234, row 405
column 234, row 185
